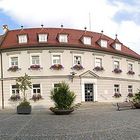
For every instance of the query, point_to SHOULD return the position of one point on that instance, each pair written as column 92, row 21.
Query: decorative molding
column 13, row 53
column 129, row 60
column 98, row 54
column 34, row 51
column 77, row 52
column 56, row 51
column 116, row 57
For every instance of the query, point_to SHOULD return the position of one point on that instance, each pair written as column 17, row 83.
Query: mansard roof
column 74, row 40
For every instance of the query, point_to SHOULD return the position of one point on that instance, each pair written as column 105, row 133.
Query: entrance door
column 88, row 92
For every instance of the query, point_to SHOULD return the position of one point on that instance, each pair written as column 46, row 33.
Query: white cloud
column 74, row 14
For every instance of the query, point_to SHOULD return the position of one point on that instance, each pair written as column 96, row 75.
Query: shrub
column 24, row 103
column 136, row 97
column 62, row 96
column 36, row 97
column 15, row 98
column 130, row 95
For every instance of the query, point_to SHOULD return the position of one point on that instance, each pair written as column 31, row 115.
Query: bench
column 125, row 105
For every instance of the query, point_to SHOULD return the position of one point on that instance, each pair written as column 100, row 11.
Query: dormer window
column 63, row 38
column 103, row 43
column 22, row 38
column 117, row 46
column 87, row 40
column 42, row 37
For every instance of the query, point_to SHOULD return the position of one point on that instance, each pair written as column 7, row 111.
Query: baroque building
column 97, row 67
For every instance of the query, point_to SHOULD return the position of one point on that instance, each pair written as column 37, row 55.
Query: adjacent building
column 97, row 67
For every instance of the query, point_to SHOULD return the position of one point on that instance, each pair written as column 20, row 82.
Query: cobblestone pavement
column 90, row 122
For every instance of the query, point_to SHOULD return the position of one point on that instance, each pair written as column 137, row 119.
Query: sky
column 119, row 17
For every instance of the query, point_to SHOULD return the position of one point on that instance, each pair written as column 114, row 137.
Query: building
column 95, row 66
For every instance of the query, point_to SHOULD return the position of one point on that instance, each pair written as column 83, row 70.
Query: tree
column 24, row 83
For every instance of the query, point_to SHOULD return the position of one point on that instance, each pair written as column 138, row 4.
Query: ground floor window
column 130, row 91
column 15, row 90
column 36, row 89
column 116, row 88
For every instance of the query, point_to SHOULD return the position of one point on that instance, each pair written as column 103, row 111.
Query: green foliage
column 24, row 83
column 62, row 96
column 136, row 97
column 24, row 103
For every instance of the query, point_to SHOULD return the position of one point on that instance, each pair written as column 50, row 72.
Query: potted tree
column 63, row 99
column 136, row 99
column 24, row 83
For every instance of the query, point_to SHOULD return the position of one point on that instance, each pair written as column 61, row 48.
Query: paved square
column 95, row 121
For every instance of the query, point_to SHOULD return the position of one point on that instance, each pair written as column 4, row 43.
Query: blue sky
column 113, row 16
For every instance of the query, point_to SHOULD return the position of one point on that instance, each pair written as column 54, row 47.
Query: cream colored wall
column 46, row 86
column 105, row 89
column 88, row 61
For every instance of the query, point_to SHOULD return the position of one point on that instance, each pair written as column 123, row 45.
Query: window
column 116, row 88
column 15, row 90
column 56, row 86
column 14, row 61
column 56, row 59
column 87, row 40
column 130, row 89
column 22, row 38
column 36, row 89
column 77, row 60
column 118, row 46
column 42, row 37
column 116, row 65
column 104, row 43
column 130, row 67
column 98, row 62
column 35, row 60
column 63, row 38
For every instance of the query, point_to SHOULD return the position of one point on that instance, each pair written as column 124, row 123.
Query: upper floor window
column 87, row 40
column 42, row 37
column 130, row 67
column 116, row 65
column 56, row 59
column 103, row 43
column 77, row 60
column 63, row 38
column 98, row 62
column 22, row 38
column 14, row 61
column 35, row 60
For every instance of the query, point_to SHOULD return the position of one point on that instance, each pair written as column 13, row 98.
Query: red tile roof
column 11, row 40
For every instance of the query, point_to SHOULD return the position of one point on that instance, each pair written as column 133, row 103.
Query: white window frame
column 12, row 89
column 63, row 38
column 115, row 88
column 97, row 58
column 87, row 40
column 37, row 88
column 10, row 57
column 52, row 58
column 130, row 68
column 118, row 46
column 79, row 55
column 128, row 88
column 118, row 64
column 42, row 38
column 22, row 38
column 103, row 43
column 35, row 54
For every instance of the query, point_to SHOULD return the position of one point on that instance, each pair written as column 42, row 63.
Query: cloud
column 104, row 15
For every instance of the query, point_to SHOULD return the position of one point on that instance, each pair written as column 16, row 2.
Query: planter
column 137, row 105
column 23, row 109
column 61, row 111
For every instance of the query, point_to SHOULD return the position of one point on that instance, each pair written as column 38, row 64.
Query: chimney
column 5, row 28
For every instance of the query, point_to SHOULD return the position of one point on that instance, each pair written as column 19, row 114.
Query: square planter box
column 23, row 109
